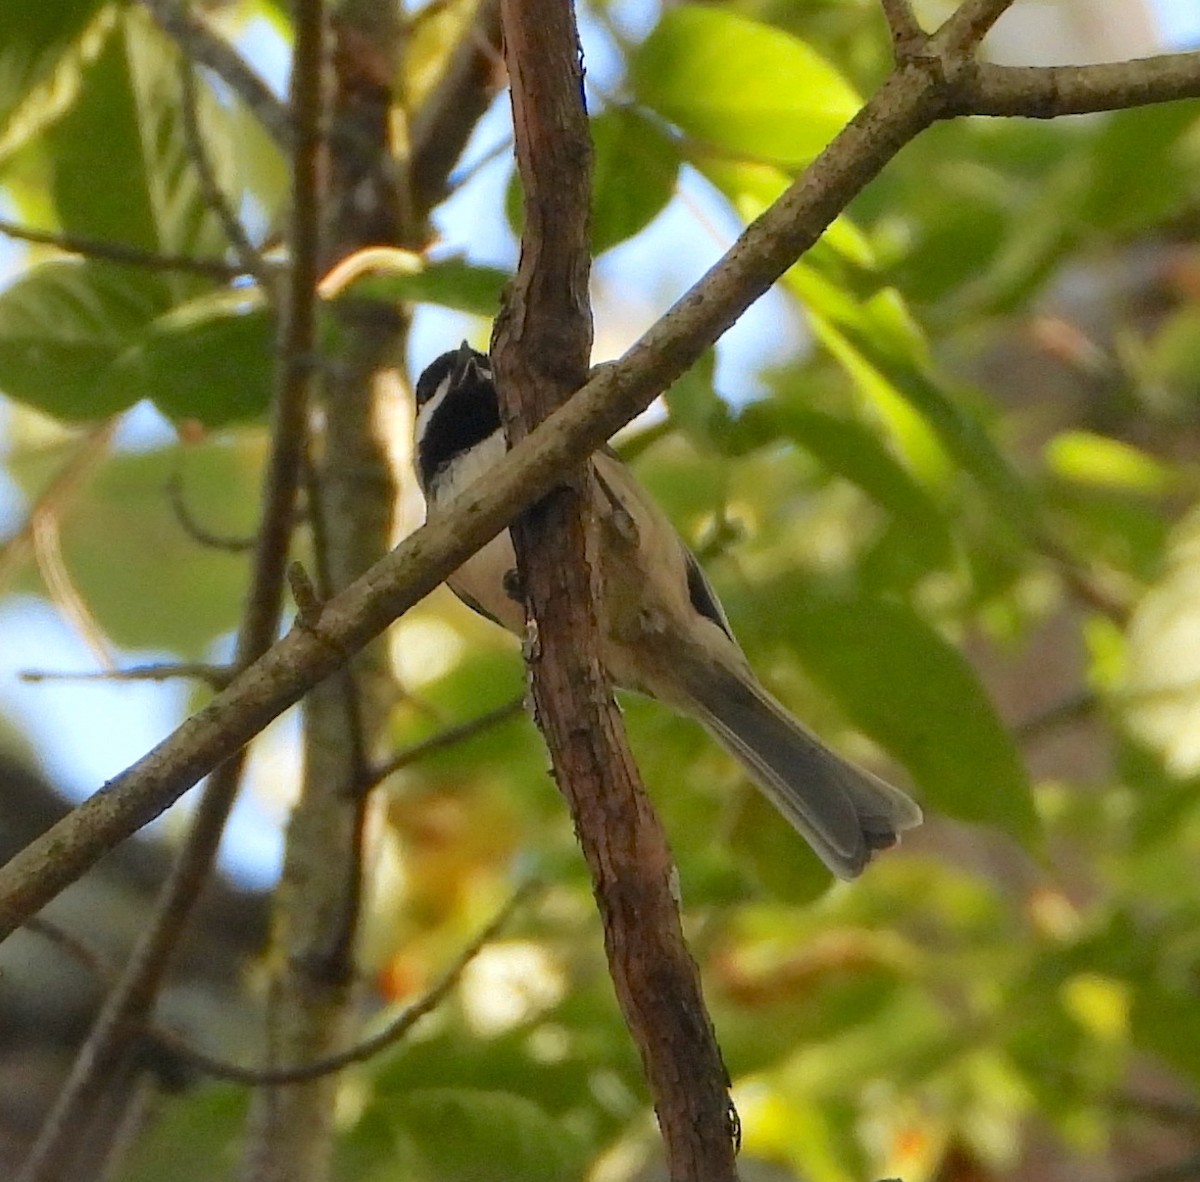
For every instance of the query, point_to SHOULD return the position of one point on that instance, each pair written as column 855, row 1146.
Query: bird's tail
column 844, row 813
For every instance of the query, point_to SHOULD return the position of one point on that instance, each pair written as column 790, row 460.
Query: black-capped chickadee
column 664, row 632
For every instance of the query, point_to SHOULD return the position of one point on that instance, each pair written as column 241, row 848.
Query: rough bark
column 541, row 352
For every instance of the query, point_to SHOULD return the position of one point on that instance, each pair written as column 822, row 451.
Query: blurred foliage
column 956, row 533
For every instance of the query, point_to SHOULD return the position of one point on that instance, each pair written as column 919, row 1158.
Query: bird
column 663, row 630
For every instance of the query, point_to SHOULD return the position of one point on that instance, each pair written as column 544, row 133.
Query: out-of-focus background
column 944, row 477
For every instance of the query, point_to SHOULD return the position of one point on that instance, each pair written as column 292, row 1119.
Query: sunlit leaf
column 1097, row 460
column 433, row 33
column 944, row 427
column 745, row 87
column 43, row 51
column 635, row 169
column 127, row 122
column 1160, row 694
column 451, row 282
column 854, row 452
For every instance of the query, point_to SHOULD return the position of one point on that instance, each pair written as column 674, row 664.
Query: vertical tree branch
column 314, row 995
column 541, row 346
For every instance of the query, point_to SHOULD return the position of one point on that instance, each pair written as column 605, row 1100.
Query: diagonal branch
column 120, row 252
column 960, row 36
column 906, row 104
column 205, row 47
column 360, row 1052
column 441, row 127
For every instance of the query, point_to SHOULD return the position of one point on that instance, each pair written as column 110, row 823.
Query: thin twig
column 73, row 946
column 119, row 252
column 40, row 539
column 216, row 676
column 203, row 46
column 48, row 557
column 245, row 251
column 1063, row 713
column 193, row 528
column 498, row 151
column 361, row 1052
column 53, row 500
column 444, row 740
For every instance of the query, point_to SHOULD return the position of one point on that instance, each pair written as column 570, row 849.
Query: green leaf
column 433, row 33
column 63, row 324
column 1170, row 361
column 1101, row 462
column 43, row 48
column 635, row 170
column 780, row 862
column 121, row 169
column 916, row 439
column 469, row 1135
column 452, row 283
column 1128, row 147
column 854, row 452
column 636, row 167
column 752, row 186
column 930, row 424
column 148, row 584
column 693, row 402
column 1160, row 692
column 902, row 684
column 208, row 1121
column 751, row 89
column 1167, row 1022
column 211, row 360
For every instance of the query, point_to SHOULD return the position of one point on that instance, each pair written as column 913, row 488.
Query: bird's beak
column 465, row 364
